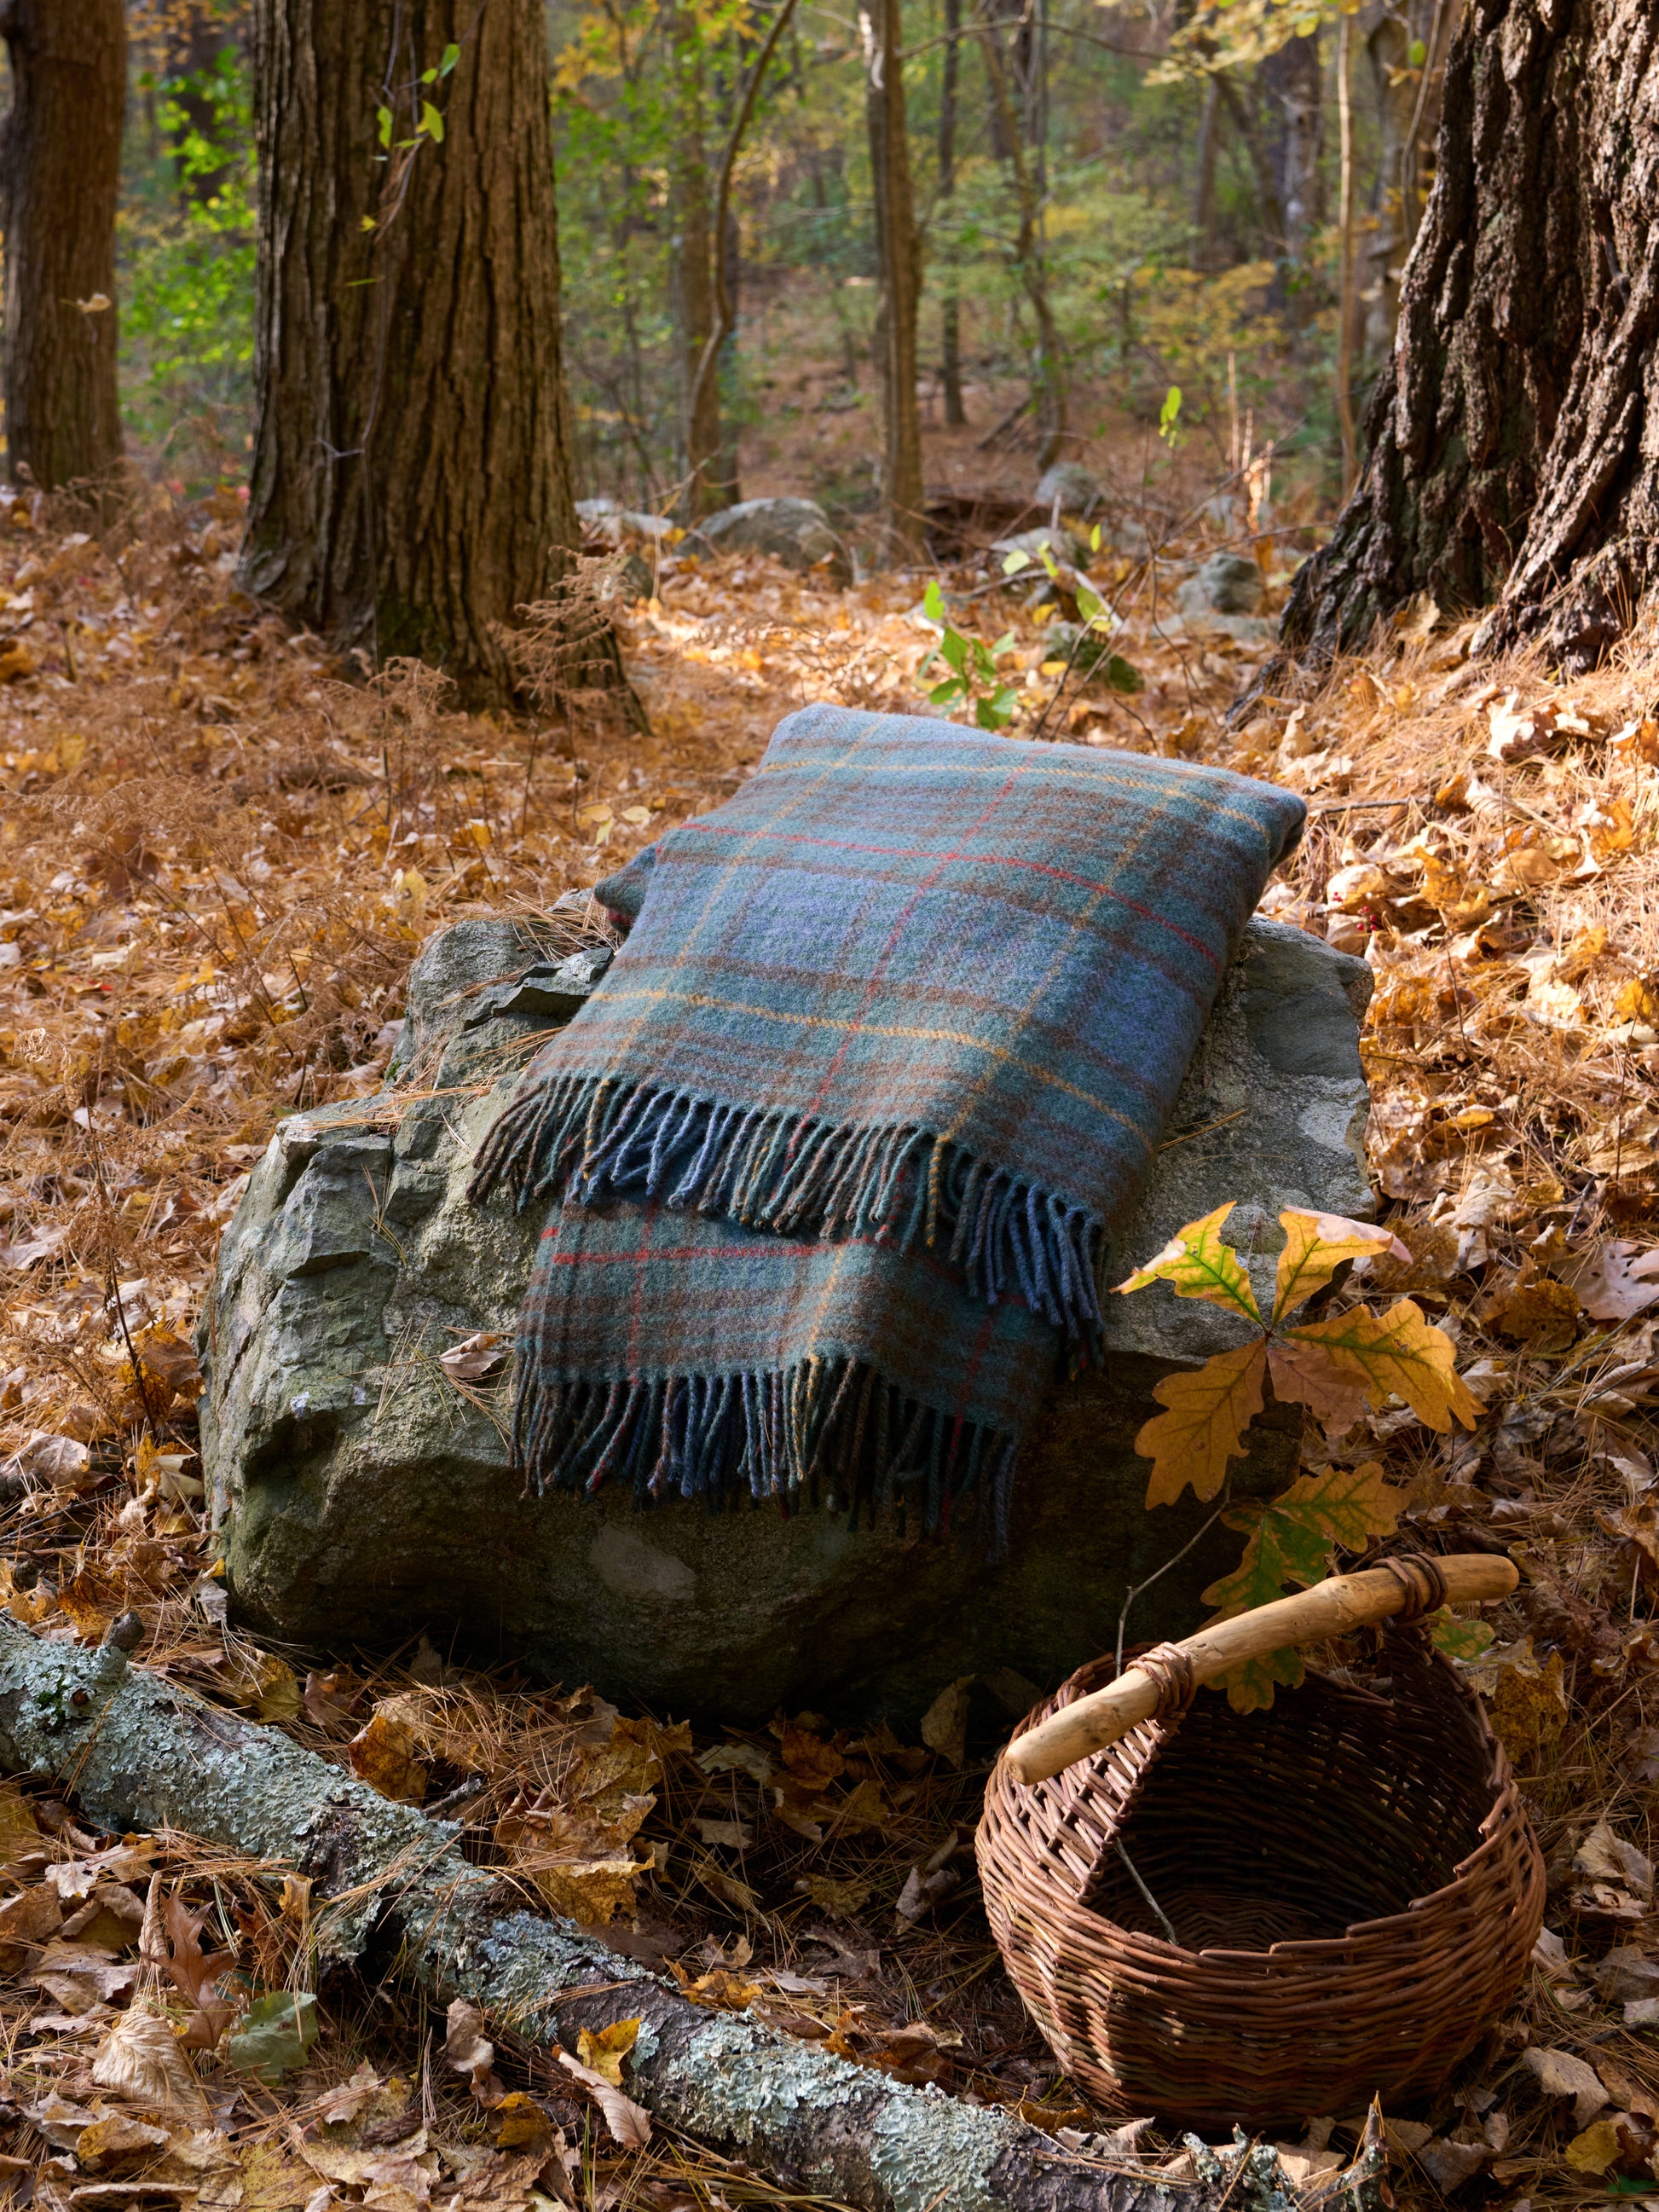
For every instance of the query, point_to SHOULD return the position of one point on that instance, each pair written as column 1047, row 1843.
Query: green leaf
column 1014, row 562
column 1004, row 644
column 943, row 694
column 1122, row 675
column 1094, row 539
column 1196, row 1264
column 277, row 2034
column 431, row 122
column 428, row 76
column 953, row 647
column 1334, row 1508
column 932, row 601
column 1459, row 1639
column 1048, row 561
column 383, row 121
column 1088, row 605
column 1416, row 53
column 450, row 56
column 1169, row 414
column 996, row 712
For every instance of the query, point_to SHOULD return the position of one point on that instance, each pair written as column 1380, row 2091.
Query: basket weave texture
column 1352, row 1874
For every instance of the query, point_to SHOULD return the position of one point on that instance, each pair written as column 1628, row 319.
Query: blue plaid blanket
column 916, row 991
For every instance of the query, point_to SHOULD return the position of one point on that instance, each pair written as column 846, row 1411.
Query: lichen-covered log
column 139, row 1752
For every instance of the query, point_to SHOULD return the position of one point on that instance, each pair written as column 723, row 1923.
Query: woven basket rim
column 1149, row 1737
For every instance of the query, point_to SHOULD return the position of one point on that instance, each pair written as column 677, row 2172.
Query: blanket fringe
column 591, row 1138
column 830, row 1432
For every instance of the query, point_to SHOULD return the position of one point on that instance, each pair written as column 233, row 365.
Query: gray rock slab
column 796, row 531
column 364, row 1496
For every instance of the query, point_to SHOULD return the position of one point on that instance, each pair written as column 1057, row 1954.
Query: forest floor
column 217, row 859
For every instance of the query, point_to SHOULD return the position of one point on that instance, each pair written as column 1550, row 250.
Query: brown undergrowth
column 218, row 856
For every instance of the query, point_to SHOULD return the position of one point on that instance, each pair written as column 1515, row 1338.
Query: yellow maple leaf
column 1316, row 1245
column 605, row 2051
column 1208, row 1411
column 1400, row 1351
column 1196, row 1264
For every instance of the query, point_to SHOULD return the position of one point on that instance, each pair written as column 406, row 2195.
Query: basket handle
column 1332, row 1607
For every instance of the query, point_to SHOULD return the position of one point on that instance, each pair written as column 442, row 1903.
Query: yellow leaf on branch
column 1208, row 1411
column 1196, row 1264
column 1400, row 1351
column 1316, row 1245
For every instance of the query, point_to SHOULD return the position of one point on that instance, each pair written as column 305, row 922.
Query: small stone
column 1227, row 584
column 796, row 531
column 1077, row 488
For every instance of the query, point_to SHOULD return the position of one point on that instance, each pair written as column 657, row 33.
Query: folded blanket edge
column 782, row 1435
column 593, row 1138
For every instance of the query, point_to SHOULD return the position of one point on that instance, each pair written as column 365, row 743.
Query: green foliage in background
column 186, row 243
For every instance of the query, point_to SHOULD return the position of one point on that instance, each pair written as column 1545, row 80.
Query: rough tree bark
column 60, row 170
column 411, row 475
column 139, row 1752
column 898, row 252
column 1515, row 442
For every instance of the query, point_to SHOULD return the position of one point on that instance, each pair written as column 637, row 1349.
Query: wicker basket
column 1352, row 1876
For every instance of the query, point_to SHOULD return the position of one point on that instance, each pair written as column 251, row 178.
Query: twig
column 1134, row 1877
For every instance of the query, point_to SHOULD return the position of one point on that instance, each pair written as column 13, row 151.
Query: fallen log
column 140, row 1753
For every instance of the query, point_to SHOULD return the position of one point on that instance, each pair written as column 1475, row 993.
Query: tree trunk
column 411, row 475
column 1515, row 443
column 1047, row 368
column 694, row 272
column 1293, row 81
column 60, row 171
column 139, row 1752
column 728, row 486
column 899, row 258
column 1209, row 147
column 950, row 365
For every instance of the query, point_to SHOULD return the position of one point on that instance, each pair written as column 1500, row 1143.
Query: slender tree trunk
column 1345, row 302
column 1294, row 85
column 60, row 172
column 1515, row 443
column 1387, row 45
column 1209, row 147
column 411, row 473
column 1049, row 369
column 727, row 487
column 950, row 367
column 693, row 271
column 898, row 252
column 1245, row 114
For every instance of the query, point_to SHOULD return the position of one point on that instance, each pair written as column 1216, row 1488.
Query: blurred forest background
column 1112, row 204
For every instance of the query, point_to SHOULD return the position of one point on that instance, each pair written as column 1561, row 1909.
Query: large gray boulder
column 796, row 531
column 364, row 1491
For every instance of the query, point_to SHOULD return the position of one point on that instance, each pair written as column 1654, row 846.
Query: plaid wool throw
column 915, row 994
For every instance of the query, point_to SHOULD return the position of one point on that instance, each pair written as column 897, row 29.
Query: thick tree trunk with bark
column 60, row 170
column 1515, row 457
column 899, row 257
column 411, row 475
column 139, row 1752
